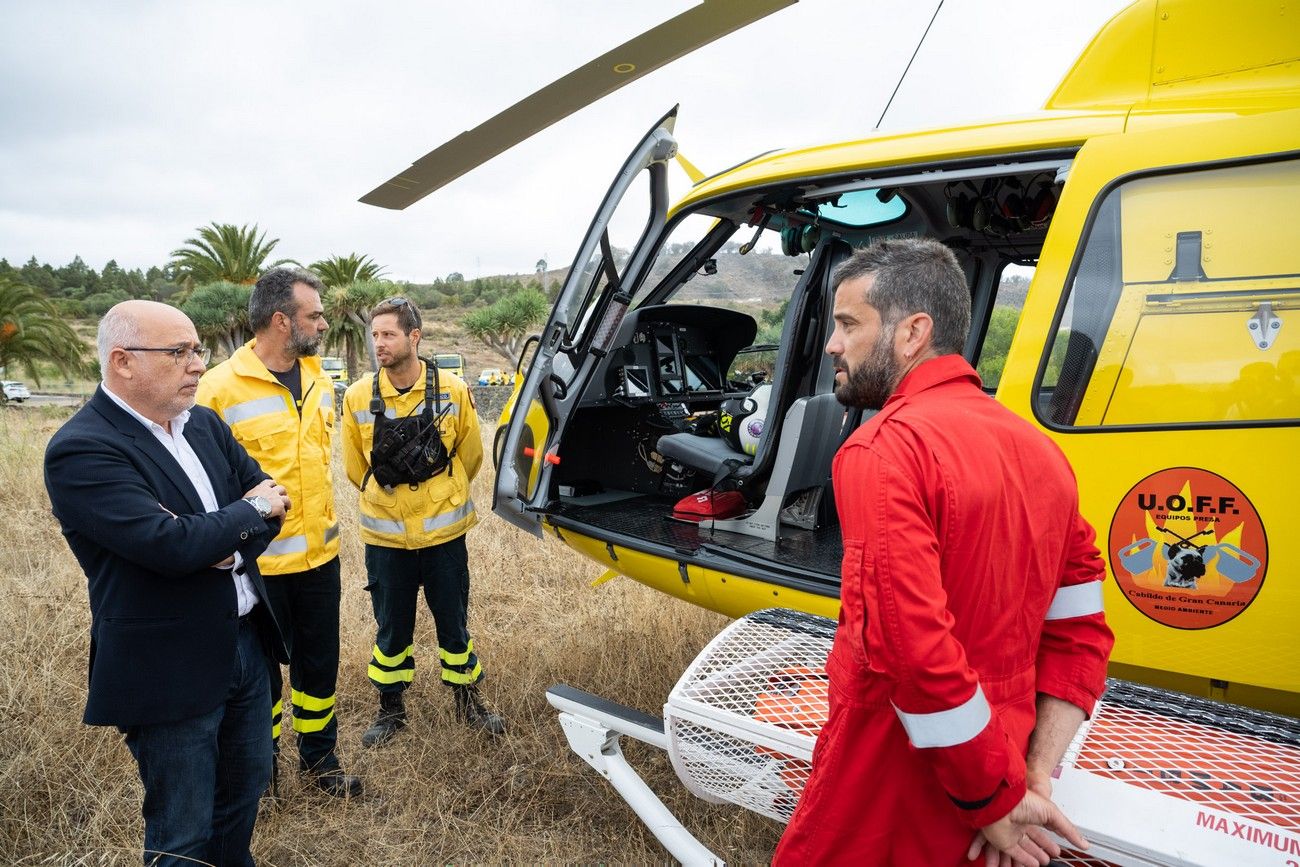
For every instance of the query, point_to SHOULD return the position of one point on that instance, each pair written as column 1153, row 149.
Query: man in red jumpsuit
column 971, row 606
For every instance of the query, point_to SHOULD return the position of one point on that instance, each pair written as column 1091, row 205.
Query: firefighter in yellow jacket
column 411, row 445
column 280, row 407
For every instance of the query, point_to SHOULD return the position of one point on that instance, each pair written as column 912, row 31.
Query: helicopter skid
column 594, row 727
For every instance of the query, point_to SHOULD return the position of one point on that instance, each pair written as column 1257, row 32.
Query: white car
column 15, row 391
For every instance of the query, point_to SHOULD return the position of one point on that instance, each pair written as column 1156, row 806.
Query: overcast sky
column 125, row 126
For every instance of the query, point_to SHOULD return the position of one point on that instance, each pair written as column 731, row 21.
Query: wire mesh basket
column 743, row 718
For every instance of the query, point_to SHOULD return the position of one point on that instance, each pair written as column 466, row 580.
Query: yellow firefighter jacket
column 293, row 447
column 438, row 509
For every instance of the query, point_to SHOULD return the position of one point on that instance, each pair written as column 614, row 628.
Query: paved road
column 49, row 400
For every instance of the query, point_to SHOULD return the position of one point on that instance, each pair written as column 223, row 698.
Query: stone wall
column 490, row 400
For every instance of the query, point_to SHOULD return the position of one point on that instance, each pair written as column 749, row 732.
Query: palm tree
column 219, row 312
column 351, row 291
column 339, row 271
column 32, row 331
column 348, row 310
column 224, row 252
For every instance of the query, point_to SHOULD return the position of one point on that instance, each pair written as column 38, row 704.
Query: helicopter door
column 1160, row 348
column 584, row 320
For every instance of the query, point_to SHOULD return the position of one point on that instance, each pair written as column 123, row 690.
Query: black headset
column 968, row 211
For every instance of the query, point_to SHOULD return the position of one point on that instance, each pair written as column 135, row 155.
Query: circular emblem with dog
column 1187, row 548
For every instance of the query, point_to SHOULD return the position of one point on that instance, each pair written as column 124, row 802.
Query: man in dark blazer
column 167, row 514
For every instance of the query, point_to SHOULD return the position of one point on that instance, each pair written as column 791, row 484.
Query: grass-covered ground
column 439, row 793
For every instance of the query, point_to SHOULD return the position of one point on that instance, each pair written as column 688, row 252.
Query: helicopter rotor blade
column 639, row 56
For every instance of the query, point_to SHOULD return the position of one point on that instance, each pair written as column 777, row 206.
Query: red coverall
column 970, row 582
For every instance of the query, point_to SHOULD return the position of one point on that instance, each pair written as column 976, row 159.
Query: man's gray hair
column 273, row 293
column 914, row 275
column 117, row 328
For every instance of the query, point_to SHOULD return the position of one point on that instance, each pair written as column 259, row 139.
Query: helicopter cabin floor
column 649, row 518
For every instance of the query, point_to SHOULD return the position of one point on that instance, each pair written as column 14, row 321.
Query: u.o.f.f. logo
column 1187, row 548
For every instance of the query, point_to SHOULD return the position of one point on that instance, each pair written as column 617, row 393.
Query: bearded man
column 971, row 640
column 411, row 446
column 279, row 405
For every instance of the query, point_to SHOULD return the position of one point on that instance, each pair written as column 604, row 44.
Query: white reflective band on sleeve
column 379, row 525
column 1076, row 600
column 437, row 522
column 327, row 399
column 287, row 545
column 947, row 728
column 238, row 412
column 331, row 533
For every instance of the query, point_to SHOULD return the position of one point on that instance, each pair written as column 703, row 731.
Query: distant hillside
column 759, row 280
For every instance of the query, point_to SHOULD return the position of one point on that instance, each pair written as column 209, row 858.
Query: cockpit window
column 758, row 279
column 863, row 208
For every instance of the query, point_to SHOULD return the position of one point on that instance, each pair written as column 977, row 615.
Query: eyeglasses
column 398, row 301
column 180, row 354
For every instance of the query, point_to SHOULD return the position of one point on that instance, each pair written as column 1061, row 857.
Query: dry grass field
column 69, row 794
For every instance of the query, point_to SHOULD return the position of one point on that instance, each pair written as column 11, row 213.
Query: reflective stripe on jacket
column 438, row 509
column 292, row 448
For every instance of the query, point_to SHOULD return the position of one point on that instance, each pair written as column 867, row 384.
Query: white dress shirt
column 179, row 448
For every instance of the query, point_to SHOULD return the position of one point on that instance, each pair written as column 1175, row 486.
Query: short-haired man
column 411, row 445
column 166, row 514
column 279, row 404
column 970, row 596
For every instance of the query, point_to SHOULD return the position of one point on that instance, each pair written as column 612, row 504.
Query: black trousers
column 396, row 577
column 306, row 605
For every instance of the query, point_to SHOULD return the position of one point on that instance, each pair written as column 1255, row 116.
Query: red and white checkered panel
column 1235, row 773
column 1162, row 778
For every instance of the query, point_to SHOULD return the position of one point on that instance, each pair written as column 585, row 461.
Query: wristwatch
column 262, row 504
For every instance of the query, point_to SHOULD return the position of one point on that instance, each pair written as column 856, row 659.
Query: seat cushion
column 709, row 454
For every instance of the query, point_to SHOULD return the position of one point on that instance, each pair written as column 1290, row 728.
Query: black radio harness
column 409, row 450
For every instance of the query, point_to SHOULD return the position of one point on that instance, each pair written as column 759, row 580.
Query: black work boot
column 474, row 712
column 391, row 718
column 334, row 782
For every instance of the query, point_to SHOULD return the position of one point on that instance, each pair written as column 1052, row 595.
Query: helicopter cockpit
column 735, row 279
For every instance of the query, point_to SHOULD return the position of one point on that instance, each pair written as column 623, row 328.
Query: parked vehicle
column 15, row 391
column 335, row 368
column 491, row 376
column 451, row 362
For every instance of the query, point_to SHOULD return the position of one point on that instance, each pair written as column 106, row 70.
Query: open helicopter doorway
column 719, row 327
column 726, row 327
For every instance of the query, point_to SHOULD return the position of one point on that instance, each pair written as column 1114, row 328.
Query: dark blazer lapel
column 145, row 441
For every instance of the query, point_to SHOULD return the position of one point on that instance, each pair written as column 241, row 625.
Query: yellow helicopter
column 1132, row 264
column 1135, row 283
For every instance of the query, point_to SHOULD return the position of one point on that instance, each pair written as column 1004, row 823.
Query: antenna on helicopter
column 915, row 51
